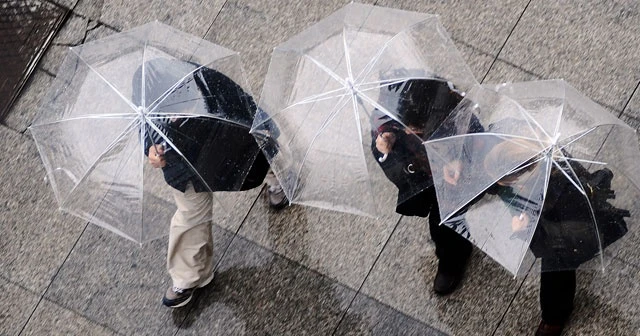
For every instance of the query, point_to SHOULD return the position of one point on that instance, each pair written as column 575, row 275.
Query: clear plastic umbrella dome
column 538, row 170
column 328, row 89
column 112, row 98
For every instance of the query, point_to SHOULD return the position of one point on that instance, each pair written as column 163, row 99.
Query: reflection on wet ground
column 26, row 28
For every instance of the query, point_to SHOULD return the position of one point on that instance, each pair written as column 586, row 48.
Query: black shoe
column 447, row 279
column 545, row 329
column 277, row 198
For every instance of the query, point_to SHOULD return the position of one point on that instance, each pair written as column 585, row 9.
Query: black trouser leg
column 557, row 290
column 452, row 249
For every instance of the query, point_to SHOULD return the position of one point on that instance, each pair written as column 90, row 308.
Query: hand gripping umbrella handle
column 383, row 158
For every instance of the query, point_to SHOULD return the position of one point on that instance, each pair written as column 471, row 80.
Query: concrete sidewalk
column 306, row 271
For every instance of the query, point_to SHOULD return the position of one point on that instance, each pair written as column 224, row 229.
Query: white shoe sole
column 206, row 281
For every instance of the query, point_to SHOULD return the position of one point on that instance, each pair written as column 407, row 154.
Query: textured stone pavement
column 306, row 271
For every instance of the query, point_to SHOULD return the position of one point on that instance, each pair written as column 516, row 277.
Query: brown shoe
column 177, row 297
column 545, row 329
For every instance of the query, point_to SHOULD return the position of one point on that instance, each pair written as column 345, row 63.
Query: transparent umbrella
column 536, row 169
column 329, row 89
column 114, row 98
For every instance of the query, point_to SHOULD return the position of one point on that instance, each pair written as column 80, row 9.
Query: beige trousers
column 190, row 254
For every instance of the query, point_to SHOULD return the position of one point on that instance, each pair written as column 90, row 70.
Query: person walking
column 203, row 155
column 422, row 105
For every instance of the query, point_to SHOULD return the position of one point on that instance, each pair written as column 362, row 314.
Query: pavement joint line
column 364, row 280
column 12, row 282
column 61, row 5
column 319, row 274
column 506, row 40
column 88, row 318
column 626, row 262
column 53, row 278
column 506, row 311
column 633, row 93
column 214, row 20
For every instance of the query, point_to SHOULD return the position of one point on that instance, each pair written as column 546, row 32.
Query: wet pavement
column 26, row 29
column 306, row 271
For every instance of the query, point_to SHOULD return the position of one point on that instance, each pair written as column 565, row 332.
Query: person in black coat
column 198, row 155
column 422, row 105
column 566, row 235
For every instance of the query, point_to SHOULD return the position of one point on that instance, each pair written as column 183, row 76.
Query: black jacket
column 423, row 104
column 566, row 234
column 224, row 155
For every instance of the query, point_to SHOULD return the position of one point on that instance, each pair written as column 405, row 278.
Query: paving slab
column 403, row 279
column 256, row 292
column 605, row 304
column 27, row 106
column 341, row 246
column 18, row 305
column 71, row 34
column 591, row 44
column 36, row 237
column 482, row 24
column 194, row 17
column 96, row 31
column 118, row 284
column 382, row 320
column 26, row 29
column 51, row 319
column 504, row 72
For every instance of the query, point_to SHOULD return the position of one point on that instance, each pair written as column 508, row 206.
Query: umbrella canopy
column 115, row 97
column 329, row 89
column 536, row 169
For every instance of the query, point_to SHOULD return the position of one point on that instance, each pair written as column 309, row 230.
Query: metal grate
column 26, row 29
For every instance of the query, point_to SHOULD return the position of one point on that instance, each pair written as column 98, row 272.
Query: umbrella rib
column 388, row 82
column 528, row 119
column 319, row 97
column 526, row 243
column 564, row 93
column 163, row 96
column 365, row 71
column 346, row 53
column 585, row 133
column 575, row 184
column 97, row 160
column 327, row 70
column 356, row 117
column 171, row 89
column 500, row 135
column 127, row 101
column 85, row 117
column 482, row 190
column 325, row 124
column 144, row 75
column 593, row 215
column 586, row 161
column 163, row 115
column 378, row 106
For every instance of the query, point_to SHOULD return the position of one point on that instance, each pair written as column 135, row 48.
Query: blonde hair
column 511, row 153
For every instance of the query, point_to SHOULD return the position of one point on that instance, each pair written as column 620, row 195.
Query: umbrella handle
column 383, row 158
column 165, row 146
